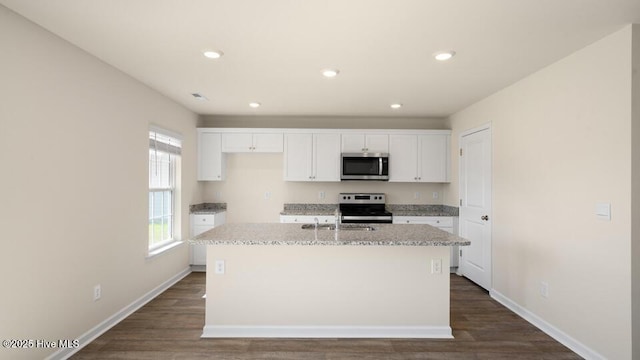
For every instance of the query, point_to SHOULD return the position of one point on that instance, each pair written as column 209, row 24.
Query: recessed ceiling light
column 199, row 96
column 444, row 55
column 396, row 106
column 254, row 104
column 330, row 73
column 213, row 54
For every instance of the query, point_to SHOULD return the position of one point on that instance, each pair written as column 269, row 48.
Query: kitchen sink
column 360, row 227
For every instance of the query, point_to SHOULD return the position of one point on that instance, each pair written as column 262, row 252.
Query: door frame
column 482, row 127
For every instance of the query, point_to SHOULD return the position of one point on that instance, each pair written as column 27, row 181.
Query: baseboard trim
column 559, row 335
column 430, row 332
column 114, row 319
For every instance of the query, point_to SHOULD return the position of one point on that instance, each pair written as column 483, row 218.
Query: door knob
column 484, row 217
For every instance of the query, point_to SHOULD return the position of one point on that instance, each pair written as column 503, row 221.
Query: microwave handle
column 380, row 166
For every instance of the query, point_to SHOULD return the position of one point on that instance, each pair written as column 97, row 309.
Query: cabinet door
column 271, row 143
column 353, row 143
column 403, row 158
column 298, row 152
column 199, row 251
column 236, row 143
column 203, row 220
column 210, row 158
column 434, row 158
column 326, row 157
column 378, row 143
column 198, row 254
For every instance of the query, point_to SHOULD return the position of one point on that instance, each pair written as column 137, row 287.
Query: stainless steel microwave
column 365, row 166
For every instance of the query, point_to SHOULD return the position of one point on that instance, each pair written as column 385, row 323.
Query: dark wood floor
column 169, row 327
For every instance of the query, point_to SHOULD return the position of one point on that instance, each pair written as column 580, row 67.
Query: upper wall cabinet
column 355, row 143
column 252, row 142
column 419, row 158
column 312, row 157
column 314, row 154
column 211, row 160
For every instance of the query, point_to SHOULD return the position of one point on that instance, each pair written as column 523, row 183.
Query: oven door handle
column 347, row 217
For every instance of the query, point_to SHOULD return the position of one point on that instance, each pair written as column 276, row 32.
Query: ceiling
column 275, row 50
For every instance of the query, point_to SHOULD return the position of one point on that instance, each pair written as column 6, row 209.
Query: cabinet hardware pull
column 485, row 218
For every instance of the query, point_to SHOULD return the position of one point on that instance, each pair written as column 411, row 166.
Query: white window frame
column 173, row 148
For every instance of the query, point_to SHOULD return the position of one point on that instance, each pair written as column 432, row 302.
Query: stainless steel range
column 363, row 208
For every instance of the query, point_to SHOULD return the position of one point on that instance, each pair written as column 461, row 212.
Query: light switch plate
column 603, row 211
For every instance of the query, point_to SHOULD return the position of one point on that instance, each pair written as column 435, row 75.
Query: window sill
column 161, row 250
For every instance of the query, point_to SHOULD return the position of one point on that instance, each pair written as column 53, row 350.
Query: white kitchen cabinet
column 199, row 224
column 312, row 157
column 211, row 160
column 419, row 158
column 434, row 158
column 356, row 143
column 403, row 158
column 307, row 219
column 252, row 142
column 445, row 223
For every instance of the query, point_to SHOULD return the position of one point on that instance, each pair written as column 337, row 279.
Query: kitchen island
column 279, row 280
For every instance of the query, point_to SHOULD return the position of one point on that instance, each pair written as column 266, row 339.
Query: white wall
column 74, row 182
column 635, row 192
column 561, row 144
column 322, row 122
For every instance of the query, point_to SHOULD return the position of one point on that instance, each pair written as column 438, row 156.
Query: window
column 164, row 153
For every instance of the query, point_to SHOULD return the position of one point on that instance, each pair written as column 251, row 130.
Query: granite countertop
column 309, row 209
column 422, row 210
column 395, row 209
column 207, row 208
column 293, row 234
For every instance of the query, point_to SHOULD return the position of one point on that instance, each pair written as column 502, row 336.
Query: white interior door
column 475, row 205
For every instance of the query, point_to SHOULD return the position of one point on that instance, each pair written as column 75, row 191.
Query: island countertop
column 293, row 234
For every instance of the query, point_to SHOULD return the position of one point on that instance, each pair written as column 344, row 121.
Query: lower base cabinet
column 199, row 224
column 446, row 223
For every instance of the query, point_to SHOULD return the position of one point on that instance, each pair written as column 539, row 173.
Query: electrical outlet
column 321, row 195
column 436, row 266
column 219, row 267
column 267, row 195
column 97, row 292
column 544, row 289
column 416, row 195
column 435, row 195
